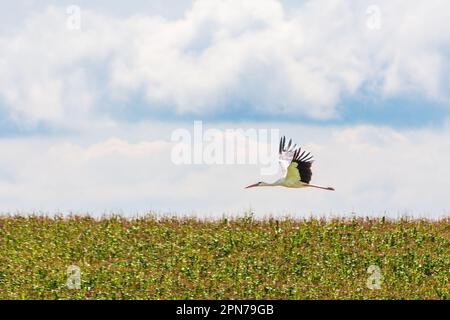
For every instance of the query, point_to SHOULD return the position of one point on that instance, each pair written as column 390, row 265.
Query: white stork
column 296, row 167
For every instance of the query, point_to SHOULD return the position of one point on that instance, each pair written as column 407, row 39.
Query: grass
column 173, row 258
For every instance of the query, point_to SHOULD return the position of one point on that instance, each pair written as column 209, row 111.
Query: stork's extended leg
column 318, row 187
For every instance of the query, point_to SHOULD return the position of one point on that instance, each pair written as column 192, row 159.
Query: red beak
column 252, row 185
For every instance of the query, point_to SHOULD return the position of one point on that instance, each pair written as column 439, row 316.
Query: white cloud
column 251, row 54
column 374, row 170
column 256, row 54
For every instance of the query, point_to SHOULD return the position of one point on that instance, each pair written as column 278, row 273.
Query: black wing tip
column 281, row 148
column 299, row 154
column 303, row 156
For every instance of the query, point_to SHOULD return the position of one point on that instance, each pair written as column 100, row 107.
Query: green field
column 243, row 258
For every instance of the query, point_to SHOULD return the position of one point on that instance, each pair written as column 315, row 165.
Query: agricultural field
column 241, row 258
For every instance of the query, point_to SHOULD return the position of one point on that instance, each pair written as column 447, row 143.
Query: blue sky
column 78, row 105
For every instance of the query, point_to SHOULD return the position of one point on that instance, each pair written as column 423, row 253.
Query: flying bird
column 296, row 167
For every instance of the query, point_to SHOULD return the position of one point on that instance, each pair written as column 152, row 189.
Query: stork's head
column 258, row 184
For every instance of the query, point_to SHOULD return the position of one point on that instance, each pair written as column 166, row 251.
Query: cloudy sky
column 91, row 93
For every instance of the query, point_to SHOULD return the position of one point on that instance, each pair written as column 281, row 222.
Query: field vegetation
column 242, row 258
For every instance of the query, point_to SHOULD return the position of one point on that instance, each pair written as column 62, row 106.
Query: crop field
column 242, row 258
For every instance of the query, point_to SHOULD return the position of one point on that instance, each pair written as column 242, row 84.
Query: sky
column 92, row 92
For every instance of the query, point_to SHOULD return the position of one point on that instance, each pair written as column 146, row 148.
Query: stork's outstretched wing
column 286, row 154
column 300, row 167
